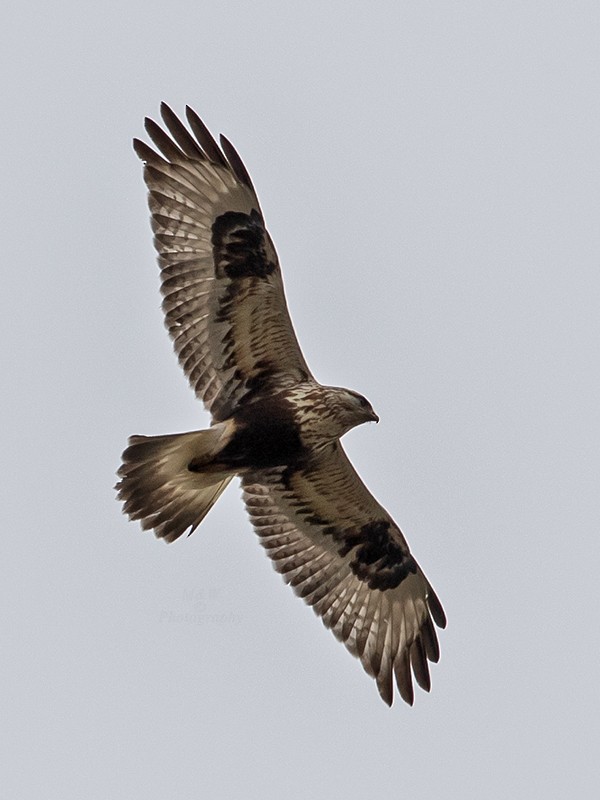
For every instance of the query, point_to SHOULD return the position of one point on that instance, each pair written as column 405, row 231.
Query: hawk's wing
column 223, row 295
column 343, row 553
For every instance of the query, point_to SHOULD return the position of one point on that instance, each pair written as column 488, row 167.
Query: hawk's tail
column 159, row 486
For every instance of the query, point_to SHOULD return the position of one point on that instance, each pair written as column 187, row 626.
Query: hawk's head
column 349, row 409
column 325, row 413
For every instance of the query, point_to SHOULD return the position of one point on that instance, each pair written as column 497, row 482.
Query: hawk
column 273, row 424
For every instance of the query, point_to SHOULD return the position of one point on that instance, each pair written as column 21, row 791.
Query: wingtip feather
column 236, row 163
column 437, row 612
column 205, row 137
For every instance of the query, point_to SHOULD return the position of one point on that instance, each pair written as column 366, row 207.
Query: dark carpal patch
column 378, row 559
column 240, row 246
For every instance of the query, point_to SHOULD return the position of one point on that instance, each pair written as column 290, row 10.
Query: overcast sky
column 430, row 174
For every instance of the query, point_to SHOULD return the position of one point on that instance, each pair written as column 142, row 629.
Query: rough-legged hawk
column 273, row 425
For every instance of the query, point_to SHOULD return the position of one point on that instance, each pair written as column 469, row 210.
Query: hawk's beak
column 374, row 416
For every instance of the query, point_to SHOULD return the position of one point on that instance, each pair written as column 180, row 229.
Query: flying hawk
column 272, row 425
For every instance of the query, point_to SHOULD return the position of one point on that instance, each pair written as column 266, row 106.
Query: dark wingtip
column 145, row 153
column 387, row 699
column 180, row 133
column 181, row 144
column 163, row 141
column 237, row 165
column 204, row 137
column 403, row 678
column 385, row 685
column 430, row 642
column 437, row 612
column 420, row 668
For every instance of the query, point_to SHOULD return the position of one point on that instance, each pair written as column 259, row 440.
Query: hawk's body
column 273, row 424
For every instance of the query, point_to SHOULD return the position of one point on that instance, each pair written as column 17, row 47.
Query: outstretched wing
column 223, row 295
column 343, row 553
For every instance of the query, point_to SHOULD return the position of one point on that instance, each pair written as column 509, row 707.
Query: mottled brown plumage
column 272, row 423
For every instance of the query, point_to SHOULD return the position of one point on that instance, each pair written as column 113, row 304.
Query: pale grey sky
column 430, row 174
